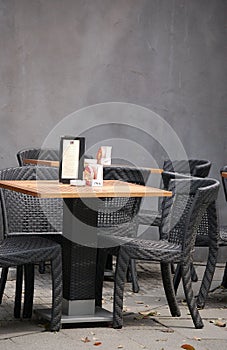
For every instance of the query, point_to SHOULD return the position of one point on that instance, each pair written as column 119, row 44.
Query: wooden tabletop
column 55, row 163
column 224, row 174
column 54, row 189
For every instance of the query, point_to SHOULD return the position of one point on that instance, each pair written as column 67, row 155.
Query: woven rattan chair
column 21, row 250
column 223, row 229
column 224, row 181
column 24, row 214
column 39, row 153
column 208, row 235
column 36, row 153
column 181, row 215
column 193, row 167
column 133, row 175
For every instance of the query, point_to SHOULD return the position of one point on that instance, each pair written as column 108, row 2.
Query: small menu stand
column 72, row 160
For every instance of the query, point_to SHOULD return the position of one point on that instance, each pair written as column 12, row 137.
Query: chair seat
column 144, row 249
column 18, row 250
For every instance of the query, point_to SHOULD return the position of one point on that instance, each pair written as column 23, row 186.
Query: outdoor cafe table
column 79, row 249
column 55, row 163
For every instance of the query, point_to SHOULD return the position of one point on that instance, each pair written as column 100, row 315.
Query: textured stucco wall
column 167, row 55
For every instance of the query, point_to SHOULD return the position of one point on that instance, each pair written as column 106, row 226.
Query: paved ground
column 157, row 332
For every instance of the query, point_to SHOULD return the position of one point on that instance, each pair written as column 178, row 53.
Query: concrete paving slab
column 159, row 332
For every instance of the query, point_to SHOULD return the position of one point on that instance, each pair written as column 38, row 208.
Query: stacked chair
column 178, row 231
column 32, row 230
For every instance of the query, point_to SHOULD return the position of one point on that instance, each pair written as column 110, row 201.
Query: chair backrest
column 224, row 180
column 119, row 213
column 183, row 212
column 194, row 167
column 37, row 153
column 209, row 223
column 24, row 213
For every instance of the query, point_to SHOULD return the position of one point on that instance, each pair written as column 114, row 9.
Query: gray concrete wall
column 166, row 55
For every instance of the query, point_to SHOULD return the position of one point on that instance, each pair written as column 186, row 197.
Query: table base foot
column 101, row 315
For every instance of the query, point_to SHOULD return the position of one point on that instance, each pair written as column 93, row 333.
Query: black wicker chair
column 24, row 214
column 36, row 153
column 133, row 175
column 177, row 236
column 223, row 229
column 39, row 153
column 193, row 167
column 224, row 180
column 208, row 235
column 23, row 250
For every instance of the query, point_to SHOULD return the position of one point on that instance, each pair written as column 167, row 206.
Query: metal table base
column 100, row 315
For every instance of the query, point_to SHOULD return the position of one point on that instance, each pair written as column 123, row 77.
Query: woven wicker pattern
column 37, row 153
column 207, row 235
column 175, row 246
column 207, row 232
column 223, row 229
column 193, row 167
column 21, row 250
column 26, row 215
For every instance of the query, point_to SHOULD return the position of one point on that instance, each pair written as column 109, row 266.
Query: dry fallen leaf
column 198, row 339
column 85, row 340
column 139, row 302
column 218, row 323
column 97, row 343
column 187, row 347
column 148, row 313
column 167, row 330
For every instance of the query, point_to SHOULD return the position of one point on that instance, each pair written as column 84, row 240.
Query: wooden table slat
column 54, row 189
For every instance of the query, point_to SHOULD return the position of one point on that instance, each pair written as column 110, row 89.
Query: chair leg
column 129, row 275
column 3, row 280
column 172, row 269
column 177, row 277
column 167, row 280
column 42, row 267
column 120, row 278
column 100, row 268
column 29, row 290
column 224, row 278
column 191, row 302
column 207, row 276
column 109, row 262
column 132, row 268
column 194, row 275
column 18, row 292
column 56, row 271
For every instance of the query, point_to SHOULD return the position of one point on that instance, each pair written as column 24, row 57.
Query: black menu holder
column 71, row 158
